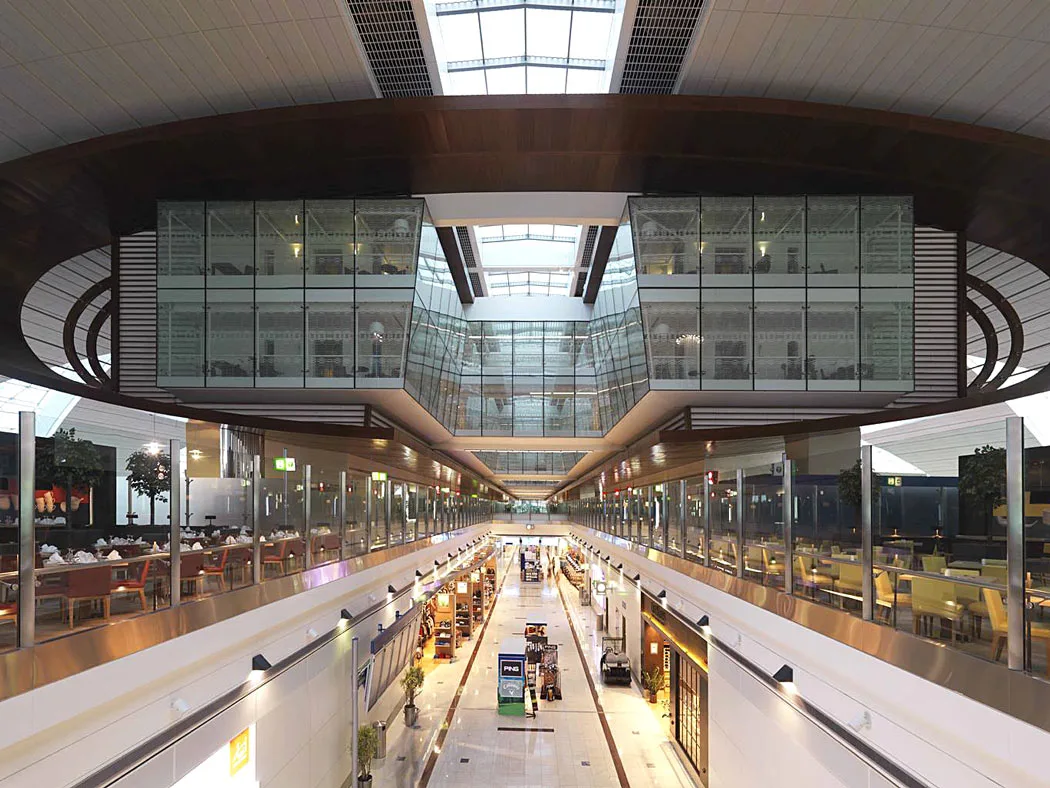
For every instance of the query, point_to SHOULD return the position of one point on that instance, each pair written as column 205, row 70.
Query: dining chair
column 191, row 569
column 934, row 563
column 885, row 598
column 88, row 584
column 934, row 600
column 218, row 571
column 133, row 585
column 275, row 555
column 998, row 619
column 970, row 598
column 851, row 578
column 809, row 577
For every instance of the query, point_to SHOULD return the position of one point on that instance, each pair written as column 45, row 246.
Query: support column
column 789, row 525
column 740, row 509
column 683, row 510
column 308, row 558
column 707, row 519
column 867, row 591
column 26, row 529
column 257, row 491
column 355, row 721
column 175, row 529
column 1015, row 543
column 342, row 515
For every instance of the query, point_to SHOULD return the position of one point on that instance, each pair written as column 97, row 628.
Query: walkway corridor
column 564, row 745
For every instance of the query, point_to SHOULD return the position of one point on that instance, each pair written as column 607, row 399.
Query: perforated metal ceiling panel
column 390, row 37
column 658, row 45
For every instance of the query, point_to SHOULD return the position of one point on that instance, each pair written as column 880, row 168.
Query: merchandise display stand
column 464, row 624
column 477, row 603
column 445, row 639
column 530, row 564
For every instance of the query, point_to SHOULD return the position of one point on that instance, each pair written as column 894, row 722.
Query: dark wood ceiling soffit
column 94, row 330
column 991, row 344
column 1013, row 323
column 602, row 248
column 454, row 256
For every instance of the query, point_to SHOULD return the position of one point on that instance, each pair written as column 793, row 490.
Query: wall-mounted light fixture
column 418, row 573
column 344, row 615
column 620, row 566
column 662, row 594
column 638, row 578
column 391, row 590
column 260, row 663
column 785, row 675
column 704, row 622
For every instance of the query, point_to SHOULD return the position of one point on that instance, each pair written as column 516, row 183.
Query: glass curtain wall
column 799, row 293
column 285, row 294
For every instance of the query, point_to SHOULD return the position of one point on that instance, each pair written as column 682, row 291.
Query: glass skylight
column 525, row 46
column 528, row 283
column 528, row 245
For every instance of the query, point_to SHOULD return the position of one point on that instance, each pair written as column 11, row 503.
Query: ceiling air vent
column 658, row 45
column 390, row 37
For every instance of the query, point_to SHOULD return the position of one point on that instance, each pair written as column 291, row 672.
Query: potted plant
column 653, row 681
column 982, row 481
column 149, row 474
column 74, row 463
column 367, row 746
column 850, row 492
column 411, row 683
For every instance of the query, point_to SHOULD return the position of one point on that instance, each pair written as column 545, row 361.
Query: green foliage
column 982, row 478
column 367, row 747
column 150, row 475
column 68, row 460
column 849, row 486
column 653, row 681
column 411, row 683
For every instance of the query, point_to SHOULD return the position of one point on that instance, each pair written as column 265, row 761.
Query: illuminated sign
column 285, row 464
column 895, row 481
column 378, row 476
column 240, row 751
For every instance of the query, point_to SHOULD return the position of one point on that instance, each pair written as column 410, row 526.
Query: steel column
column 866, row 499
column 682, row 510
column 308, row 558
column 26, row 528
column 257, row 491
column 789, row 525
column 342, row 515
column 707, row 519
column 740, row 508
column 355, row 720
column 1015, row 593
column 175, row 530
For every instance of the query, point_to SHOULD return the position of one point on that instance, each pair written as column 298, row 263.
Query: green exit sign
column 284, row 464
column 378, row 476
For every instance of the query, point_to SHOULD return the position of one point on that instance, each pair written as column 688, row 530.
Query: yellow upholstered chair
column 885, row 600
column 997, row 617
column 934, row 600
column 808, row 576
column 970, row 598
column 934, row 563
column 851, row 578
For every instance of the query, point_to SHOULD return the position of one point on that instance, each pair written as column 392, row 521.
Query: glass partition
column 673, row 521
column 761, row 506
column 694, row 518
column 725, row 512
column 780, row 241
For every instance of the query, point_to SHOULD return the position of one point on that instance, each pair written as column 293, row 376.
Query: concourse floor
column 576, row 753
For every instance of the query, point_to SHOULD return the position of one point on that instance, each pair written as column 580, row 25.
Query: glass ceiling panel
column 547, row 46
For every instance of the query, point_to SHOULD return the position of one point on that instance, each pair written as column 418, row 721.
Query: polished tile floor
column 575, row 754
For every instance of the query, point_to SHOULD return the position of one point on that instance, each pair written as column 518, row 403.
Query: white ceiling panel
column 967, row 60
column 72, row 70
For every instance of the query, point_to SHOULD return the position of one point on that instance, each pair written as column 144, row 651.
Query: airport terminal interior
column 484, row 393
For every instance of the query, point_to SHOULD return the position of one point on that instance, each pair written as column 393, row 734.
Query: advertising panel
column 231, row 766
column 511, row 688
column 535, row 640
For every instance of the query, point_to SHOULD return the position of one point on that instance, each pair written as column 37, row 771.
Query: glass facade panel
column 528, row 348
column 231, row 244
column 667, row 235
column 887, row 247
column 180, row 244
column 558, row 348
column 832, row 241
column 725, row 318
column 497, row 417
column 231, row 338
column 279, row 337
column 725, row 241
column 388, row 239
column 831, row 343
column 279, row 239
column 329, row 243
column 558, row 417
column 780, row 339
column 382, row 332
column 887, row 334
column 329, row 338
column 780, row 241
column 180, row 338
column 528, row 406
column 672, row 334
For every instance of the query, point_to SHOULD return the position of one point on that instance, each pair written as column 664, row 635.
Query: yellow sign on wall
column 240, row 751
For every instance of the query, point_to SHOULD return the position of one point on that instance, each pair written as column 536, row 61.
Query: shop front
column 676, row 654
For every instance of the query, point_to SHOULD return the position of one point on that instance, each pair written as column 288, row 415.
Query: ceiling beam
column 602, row 248
column 454, row 256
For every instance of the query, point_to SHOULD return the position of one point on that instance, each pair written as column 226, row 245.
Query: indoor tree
column 367, row 749
column 70, row 461
column 411, row 683
column 850, row 492
column 982, row 480
column 149, row 474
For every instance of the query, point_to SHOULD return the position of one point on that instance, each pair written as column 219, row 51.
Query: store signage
column 895, row 481
column 510, row 693
column 284, row 464
column 535, row 640
column 240, row 751
column 379, row 476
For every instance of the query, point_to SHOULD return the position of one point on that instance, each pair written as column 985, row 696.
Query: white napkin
column 184, row 547
column 244, row 539
column 102, row 542
column 197, row 546
column 56, row 558
column 83, row 557
column 140, row 540
column 48, row 548
column 113, row 556
column 230, row 540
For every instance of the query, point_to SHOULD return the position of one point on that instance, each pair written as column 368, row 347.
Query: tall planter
column 149, row 474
